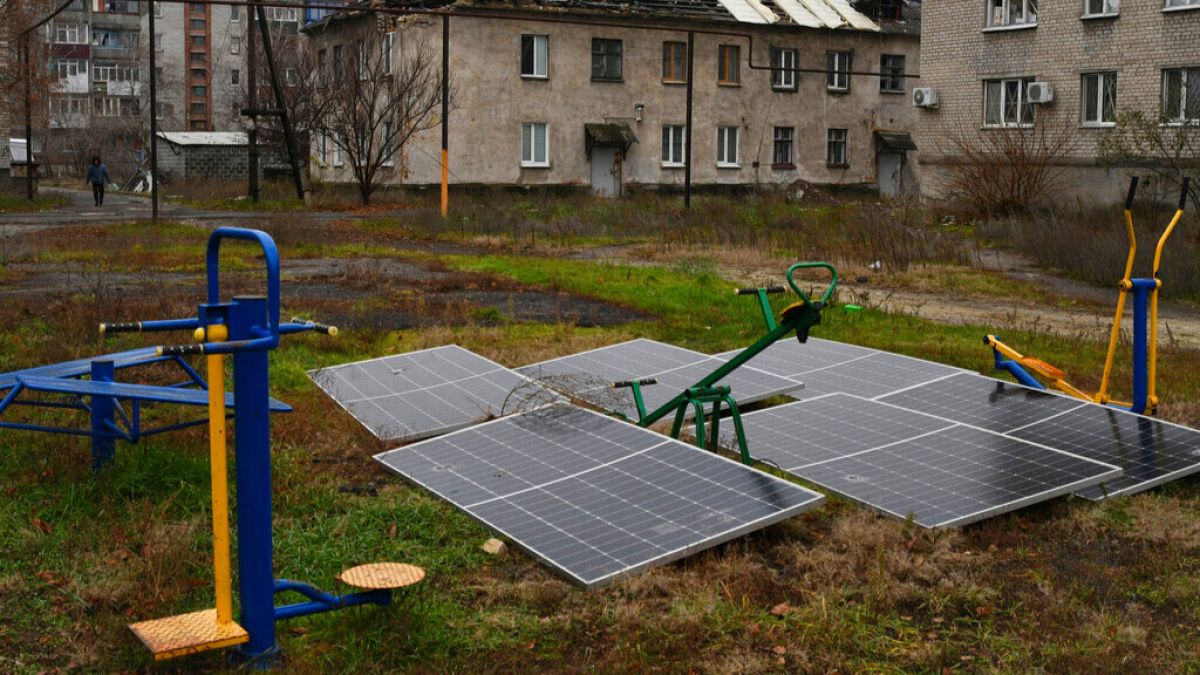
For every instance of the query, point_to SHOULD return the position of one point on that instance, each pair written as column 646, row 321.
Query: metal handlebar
column 753, row 291
column 1133, row 184
column 811, row 265
column 298, row 325
column 629, row 383
column 270, row 253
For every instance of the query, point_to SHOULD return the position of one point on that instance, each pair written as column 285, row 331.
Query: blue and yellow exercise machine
column 1145, row 330
column 248, row 328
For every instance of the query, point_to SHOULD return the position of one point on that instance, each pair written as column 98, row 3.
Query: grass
column 23, row 205
column 1064, row 586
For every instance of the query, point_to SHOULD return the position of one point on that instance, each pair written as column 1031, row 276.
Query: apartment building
column 1011, row 66
column 594, row 94
column 100, row 51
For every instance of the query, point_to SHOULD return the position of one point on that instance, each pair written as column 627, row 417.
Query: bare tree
column 372, row 104
column 1006, row 169
column 1167, row 148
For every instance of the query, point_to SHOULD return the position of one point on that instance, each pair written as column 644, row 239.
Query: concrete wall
column 493, row 100
column 221, row 162
column 958, row 55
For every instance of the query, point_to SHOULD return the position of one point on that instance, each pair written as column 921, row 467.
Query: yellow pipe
column 1152, row 375
column 1124, row 285
column 223, row 580
column 445, row 182
column 1054, row 375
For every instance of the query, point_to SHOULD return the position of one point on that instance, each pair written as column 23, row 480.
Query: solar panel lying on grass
column 828, row 367
column 902, row 462
column 1150, row 451
column 428, row 392
column 588, row 375
column 593, row 497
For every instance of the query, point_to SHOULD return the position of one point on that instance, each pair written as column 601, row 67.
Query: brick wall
column 957, row 54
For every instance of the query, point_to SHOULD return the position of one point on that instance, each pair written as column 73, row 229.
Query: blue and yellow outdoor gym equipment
column 1145, row 348
column 797, row 318
column 248, row 328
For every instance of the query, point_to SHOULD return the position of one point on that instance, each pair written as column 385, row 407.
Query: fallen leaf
column 984, row 610
column 298, row 630
column 782, row 609
column 780, row 650
column 41, row 525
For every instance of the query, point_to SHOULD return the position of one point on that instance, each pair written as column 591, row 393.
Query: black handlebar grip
column 180, row 350
column 126, row 327
column 318, row 327
column 629, row 383
column 1133, row 183
column 753, row 291
column 1183, row 192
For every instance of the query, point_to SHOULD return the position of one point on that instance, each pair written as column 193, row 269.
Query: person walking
column 97, row 175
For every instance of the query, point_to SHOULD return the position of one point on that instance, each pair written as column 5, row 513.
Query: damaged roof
column 808, row 13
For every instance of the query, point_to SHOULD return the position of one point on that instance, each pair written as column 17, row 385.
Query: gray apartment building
column 1009, row 66
column 593, row 94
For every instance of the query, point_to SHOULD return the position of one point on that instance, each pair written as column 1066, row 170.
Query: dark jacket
column 98, row 173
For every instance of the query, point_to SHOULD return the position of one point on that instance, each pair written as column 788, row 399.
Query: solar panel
column 828, row 367
column 984, row 402
column 593, row 497
column 427, row 392
column 588, row 375
column 902, row 462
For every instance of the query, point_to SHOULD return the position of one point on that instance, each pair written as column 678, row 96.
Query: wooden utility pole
column 252, row 103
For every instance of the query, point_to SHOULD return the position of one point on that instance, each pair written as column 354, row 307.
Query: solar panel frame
column 521, row 514
column 392, row 413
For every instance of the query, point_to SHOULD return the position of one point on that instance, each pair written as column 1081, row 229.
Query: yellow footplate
column 379, row 576
column 182, row 634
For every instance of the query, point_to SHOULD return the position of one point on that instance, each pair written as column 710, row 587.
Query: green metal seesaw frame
column 796, row 318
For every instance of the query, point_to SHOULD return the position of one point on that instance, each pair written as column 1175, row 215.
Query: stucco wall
column 958, row 55
column 493, row 100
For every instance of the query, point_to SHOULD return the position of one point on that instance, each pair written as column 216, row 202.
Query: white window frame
column 1003, row 104
column 385, row 51
column 384, row 142
column 791, row 141
column 541, row 46
column 845, row 144
column 1009, row 20
column 1180, row 116
column 158, row 10
column 1180, row 5
column 783, row 75
column 1102, row 85
column 337, row 155
column 158, row 42
column 235, row 45
column 363, row 69
column 674, row 147
column 724, row 161
column 291, row 77
column 1108, row 9
column 835, row 70
column 529, row 159
column 70, row 34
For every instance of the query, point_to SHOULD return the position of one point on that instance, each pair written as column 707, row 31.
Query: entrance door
column 606, row 171
column 889, row 166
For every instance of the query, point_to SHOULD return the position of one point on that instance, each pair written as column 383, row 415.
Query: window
column 891, row 73
column 362, row 60
column 1182, row 4
column 1004, row 103
column 197, row 40
column 199, row 75
column 199, row 108
column 235, row 13
column 1011, row 13
column 158, row 10
column 197, row 58
column 672, row 145
column 69, row 67
column 606, row 60
column 196, row 8
column 727, row 147
column 198, row 125
column 158, row 42
column 291, row 77
column 385, row 144
column 836, row 154
column 781, row 155
column 235, row 45
column 783, row 73
column 199, row 90
column 196, row 24
column 160, row 110
column 107, row 106
column 235, row 76
column 389, row 39
column 728, row 64
column 1100, row 7
column 337, row 62
column 337, row 154
column 535, row 56
column 1099, row 92
column 70, row 34
column 674, row 62
column 837, row 71
column 321, row 66
column 534, row 145
column 1181, row 94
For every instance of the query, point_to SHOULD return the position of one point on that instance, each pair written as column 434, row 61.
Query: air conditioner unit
column 925, row 97
column 1039, row 92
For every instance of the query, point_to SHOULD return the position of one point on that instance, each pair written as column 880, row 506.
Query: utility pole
column 289, row 137
column 687, row 144
column 252, row 102
column 445, row 114
column 153, row 122
column 28, row 122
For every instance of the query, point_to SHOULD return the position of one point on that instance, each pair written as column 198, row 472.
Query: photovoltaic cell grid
column 594, row 497
column 902, row 462
column 428, row 392
column 588, row 375
column 1150, row 452
column 828, row 367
